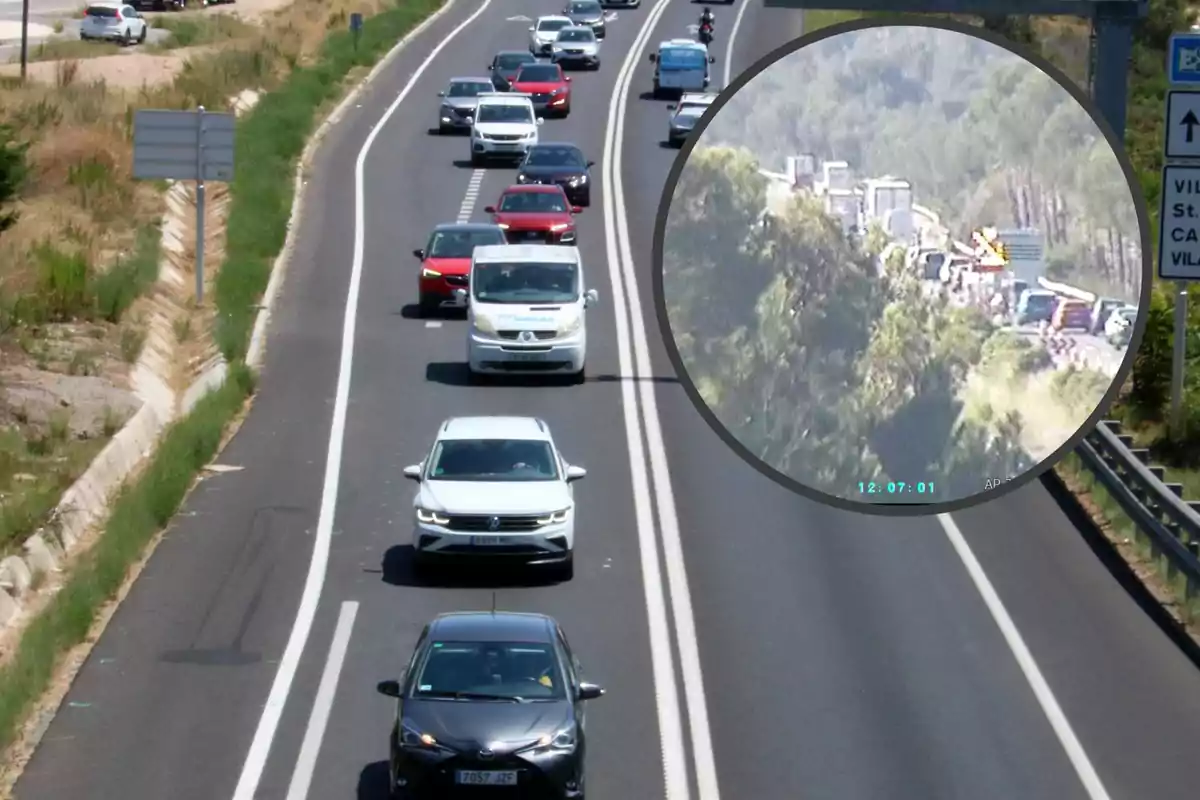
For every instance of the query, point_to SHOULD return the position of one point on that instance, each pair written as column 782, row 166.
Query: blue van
column 680, row 65
column 1035, row 305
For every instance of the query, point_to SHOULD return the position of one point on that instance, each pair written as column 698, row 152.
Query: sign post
column 1179, row 212
column 185, row 146
column 356, row 23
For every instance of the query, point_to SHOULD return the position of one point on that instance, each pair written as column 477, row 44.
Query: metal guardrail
column 1171, row 523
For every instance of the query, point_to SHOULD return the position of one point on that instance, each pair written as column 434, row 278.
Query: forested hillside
column 837, row 373
column 984, row 137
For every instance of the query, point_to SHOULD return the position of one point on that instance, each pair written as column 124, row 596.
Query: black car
column 490, row 699
column 562, row 164
column 587, row 13
column 507, row 64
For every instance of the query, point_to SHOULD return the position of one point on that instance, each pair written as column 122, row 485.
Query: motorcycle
column 705, row 33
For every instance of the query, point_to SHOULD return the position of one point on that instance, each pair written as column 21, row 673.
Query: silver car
column 588, row 13
column 459, row 101
column 576, row 45
column 685, row 114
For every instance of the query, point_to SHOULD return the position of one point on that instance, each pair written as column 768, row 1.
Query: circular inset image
column 900, row 267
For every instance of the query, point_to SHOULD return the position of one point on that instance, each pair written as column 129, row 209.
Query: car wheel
column 429, row 305
column 476, row 160
column 585, row 199
column 127, row 38
column 142, row 36
column 580, row 378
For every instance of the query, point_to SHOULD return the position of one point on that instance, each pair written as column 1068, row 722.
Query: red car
column 547, row 86
column 446, row 260
column 535, row 213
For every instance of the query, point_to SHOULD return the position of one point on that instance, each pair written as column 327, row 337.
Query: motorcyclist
column 707, row 22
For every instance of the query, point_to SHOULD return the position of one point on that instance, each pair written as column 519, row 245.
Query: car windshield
column 577, row 35
column 539, row 73
column 692, row 110
column 1039, row 301
column 670, row 58
column 468, row 88
column 550, row 25
column 490, row 671
column 533, row 203
column 495, row 112
column 551, row 156
column 491, row 460
column 461, row 244
column 513, row 60
column 525, row 282
column 585, row 7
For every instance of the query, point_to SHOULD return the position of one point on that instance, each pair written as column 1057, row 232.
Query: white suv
column 117, row 22
column 496, row 488
column 527, row 311
column 544, row 31
column 504, row 126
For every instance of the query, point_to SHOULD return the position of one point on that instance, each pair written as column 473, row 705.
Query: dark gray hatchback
column 491, row 704
column 588, row 13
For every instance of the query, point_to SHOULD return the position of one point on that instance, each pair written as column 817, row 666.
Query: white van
column 526, row 311
column 680, row 65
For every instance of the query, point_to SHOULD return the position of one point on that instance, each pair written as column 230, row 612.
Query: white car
column 685, row 115
column 527, row 311
column 1119, row 321
column 504, row 126
column 114, row 22
column 544, row 31
column 495, row 488
column 576, row 45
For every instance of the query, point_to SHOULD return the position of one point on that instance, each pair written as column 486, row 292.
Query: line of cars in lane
column 493, row 704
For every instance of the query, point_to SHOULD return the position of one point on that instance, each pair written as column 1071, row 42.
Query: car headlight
column 484, row 325
column 562, row 226
column 563, row 741
column 578, row 180
column 424, row 515
column 426, row 272
column 521, row 178
column 502, row 226
column 571, row 327
column 554, row 518
column 410, row 736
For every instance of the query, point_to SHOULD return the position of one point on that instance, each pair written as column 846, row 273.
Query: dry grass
column 65, row 312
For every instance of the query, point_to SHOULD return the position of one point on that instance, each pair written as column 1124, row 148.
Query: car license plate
column 528, row 356
column 488, row 541
column 468, row 777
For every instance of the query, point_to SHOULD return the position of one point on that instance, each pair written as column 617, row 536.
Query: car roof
column 516, row 53
column 505, row 98
column 108, row 5
column 494, row 428
column 534, row 188
column 493, row 626
column 544, row 144
column 697, row 97
column 470, row 79
column 466, row 226
column 574, row 27
column 555, row 253
column 685, row 43
column 553, row 18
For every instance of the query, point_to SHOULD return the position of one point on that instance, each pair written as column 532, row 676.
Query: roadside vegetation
column 72, row 270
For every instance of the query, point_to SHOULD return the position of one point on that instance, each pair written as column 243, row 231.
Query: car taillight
column 118, row 16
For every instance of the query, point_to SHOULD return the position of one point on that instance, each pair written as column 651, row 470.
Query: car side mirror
column 587, row 691
column 576, row 209
column 531, row 29
column 489, row 209
column 591, row 298
column 712, row 59
column 653, row 57
column 392, row 688
column 413, row 472
column 419, row 253
column 591, row 163
column 567, row 78
column 540, row 120
column 672, row 107
column 575, row 474
column 460, row 298
column 441, row 94
column 470, row 120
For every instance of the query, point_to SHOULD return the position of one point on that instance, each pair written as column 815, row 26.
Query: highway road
column 841, row 656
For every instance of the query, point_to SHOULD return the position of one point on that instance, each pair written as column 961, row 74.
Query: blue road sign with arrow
column 1181, row 135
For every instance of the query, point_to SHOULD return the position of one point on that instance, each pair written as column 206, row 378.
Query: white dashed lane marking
column 471, row 197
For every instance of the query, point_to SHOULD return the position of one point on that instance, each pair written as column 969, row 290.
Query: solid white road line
column 472, row 196
column 733, row 32
column 264, row 735
column 625, row 300
column 306, row 763
column 1041, row 690
column 680, row 596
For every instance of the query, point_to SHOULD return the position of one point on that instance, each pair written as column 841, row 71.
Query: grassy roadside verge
column 271, row 138
column 269, row 141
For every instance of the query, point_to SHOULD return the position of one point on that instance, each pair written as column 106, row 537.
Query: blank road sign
column 183, row 145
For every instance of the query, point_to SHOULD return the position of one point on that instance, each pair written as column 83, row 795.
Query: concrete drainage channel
column 167, row 391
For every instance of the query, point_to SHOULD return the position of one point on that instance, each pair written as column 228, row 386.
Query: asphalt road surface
column 841, row 656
